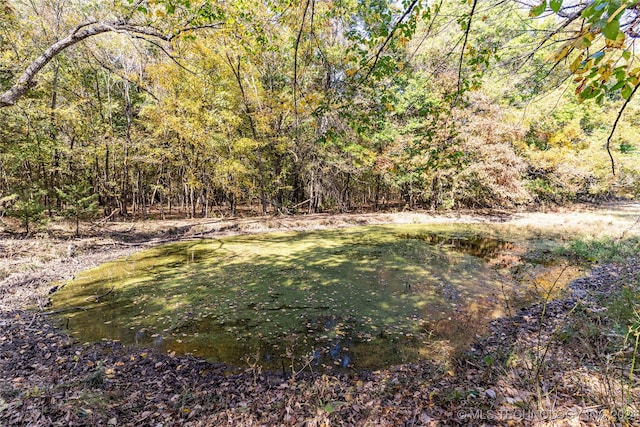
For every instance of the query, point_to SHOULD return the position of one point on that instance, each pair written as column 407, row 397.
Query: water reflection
column 361, row 299
column 475, row 245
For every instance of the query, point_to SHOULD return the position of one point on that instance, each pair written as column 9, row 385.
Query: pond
column 356, row 298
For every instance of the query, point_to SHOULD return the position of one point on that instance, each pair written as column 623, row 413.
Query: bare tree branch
column 558, row 30
column 464, row 44
column 615, row 125
column 138, row 85
column 78, row 34
column 384, row 44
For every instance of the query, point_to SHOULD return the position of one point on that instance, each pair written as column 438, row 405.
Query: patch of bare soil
column 520, row 374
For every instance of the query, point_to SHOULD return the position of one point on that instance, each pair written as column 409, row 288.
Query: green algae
column 363, row 297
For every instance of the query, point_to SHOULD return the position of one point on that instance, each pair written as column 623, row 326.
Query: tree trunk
column 79, row 33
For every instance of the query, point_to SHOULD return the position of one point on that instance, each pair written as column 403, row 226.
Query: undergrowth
column 603, row 332
column 603, row 250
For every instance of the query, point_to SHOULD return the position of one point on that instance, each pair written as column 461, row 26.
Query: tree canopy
column 306, row 105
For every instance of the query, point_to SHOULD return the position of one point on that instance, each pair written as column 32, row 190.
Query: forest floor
column 542, row 366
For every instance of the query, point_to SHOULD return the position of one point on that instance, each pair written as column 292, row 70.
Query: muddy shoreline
column 47, row 379
column 30, row 266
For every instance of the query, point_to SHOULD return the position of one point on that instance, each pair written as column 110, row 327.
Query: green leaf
column 626, row 91
column 590, row 92
column 617, row 86
column 555, row 5
column 584, row 42
column 588, row 11
column 612, row 6
column 593, row 12
column 599, row 24
column 329, row 409
column 538, row 10
column 626, row 54
column 611, row 30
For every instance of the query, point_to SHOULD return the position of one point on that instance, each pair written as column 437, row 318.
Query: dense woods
column 124, row 122
column 198, row 108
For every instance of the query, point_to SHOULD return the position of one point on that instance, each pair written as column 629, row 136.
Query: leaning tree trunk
column 79, row 33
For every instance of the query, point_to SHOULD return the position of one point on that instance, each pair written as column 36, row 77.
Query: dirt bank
column 518, row 375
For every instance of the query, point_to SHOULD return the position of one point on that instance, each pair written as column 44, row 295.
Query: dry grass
column 572, row 389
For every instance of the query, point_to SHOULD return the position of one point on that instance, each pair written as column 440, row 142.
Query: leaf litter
column 46, row 379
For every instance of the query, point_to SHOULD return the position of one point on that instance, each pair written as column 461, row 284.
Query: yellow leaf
column 618, row 42
column 562, row 54
column 586, row 67
column 584, row 40
column 576, row 64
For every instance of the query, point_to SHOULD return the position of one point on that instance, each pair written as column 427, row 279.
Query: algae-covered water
column 362, row 297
